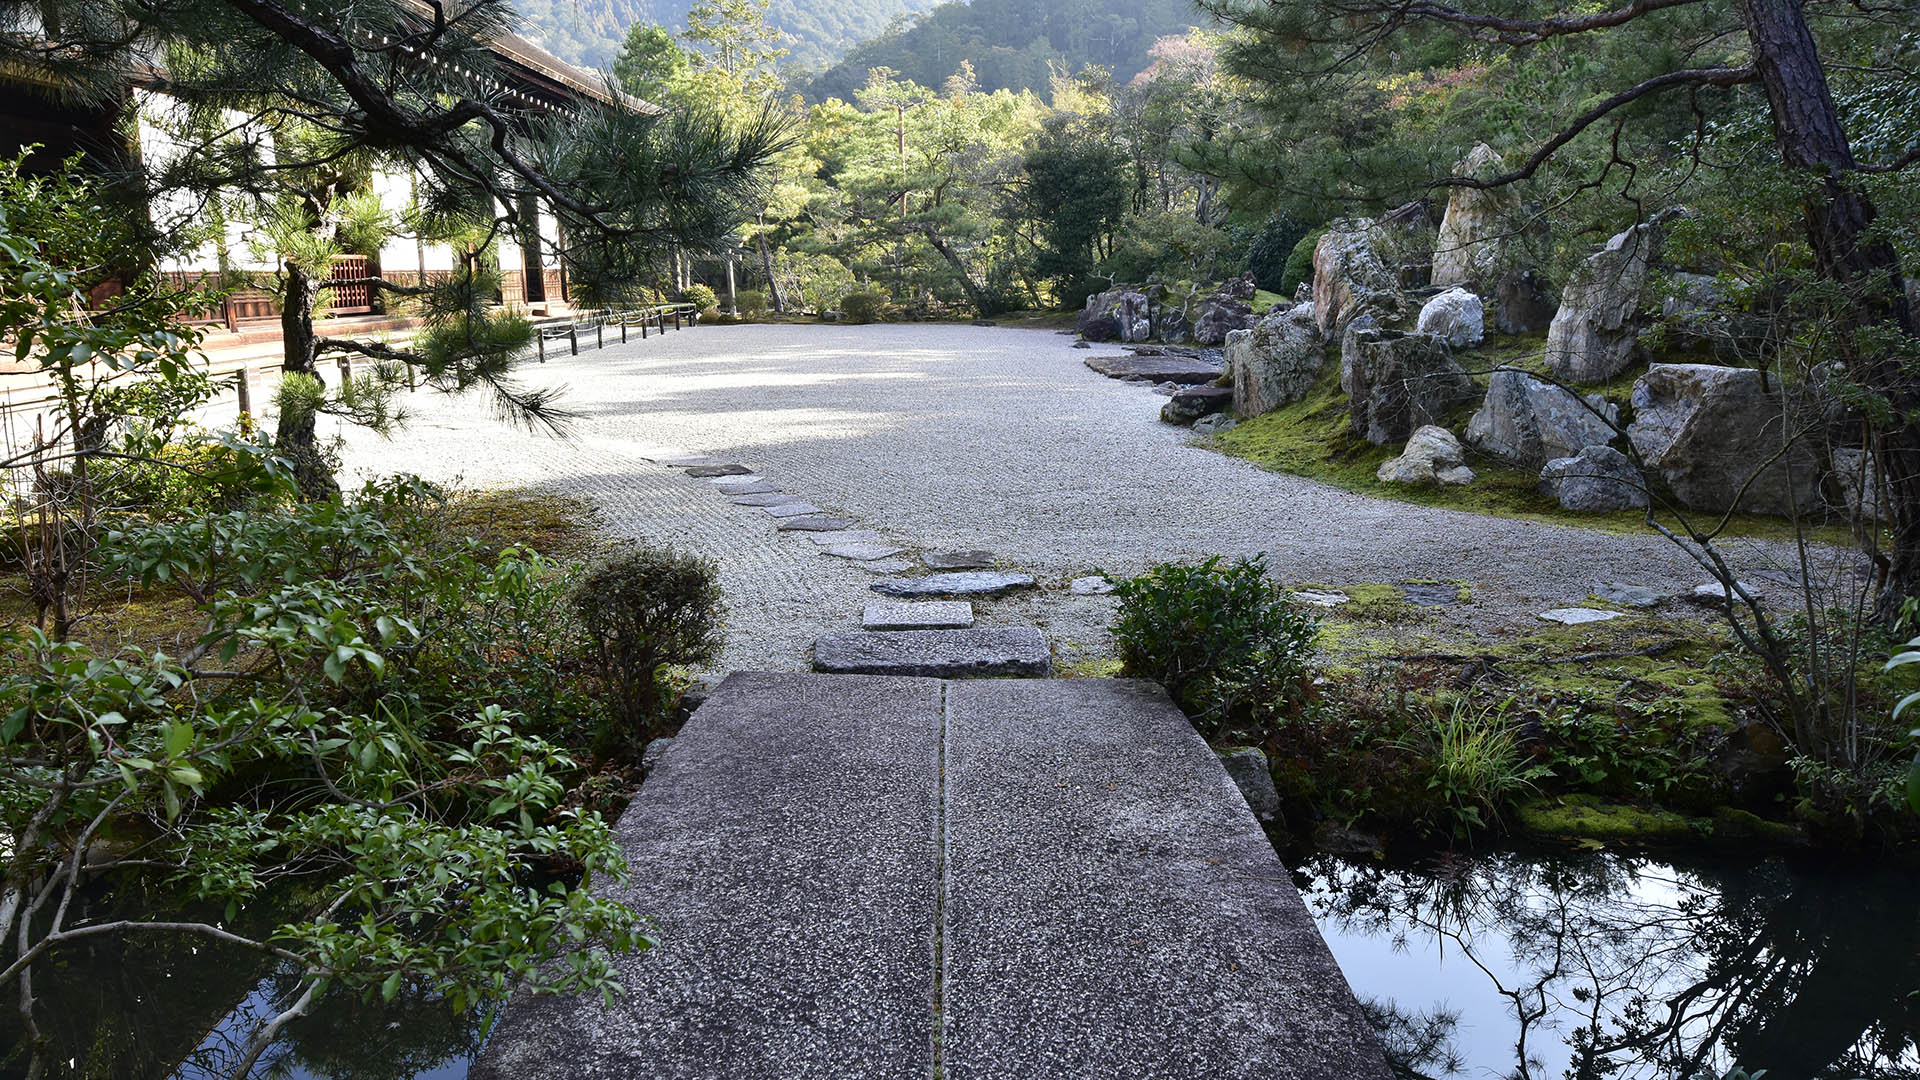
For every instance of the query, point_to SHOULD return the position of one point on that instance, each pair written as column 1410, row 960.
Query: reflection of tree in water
column 1638, row 969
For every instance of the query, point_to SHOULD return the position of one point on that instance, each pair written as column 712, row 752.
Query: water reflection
column 1598, row 965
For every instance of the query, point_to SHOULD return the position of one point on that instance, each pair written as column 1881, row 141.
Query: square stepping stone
column 1575, row 616
column 846, row 536
column 945, row 654
column 758, row 487
column 719, row 470
column 958, row 560
column 976, row 583
column 918, row 615
column 793, row 509
column 862, row 552
column 728, row 483
column 812, row 523
column 1430, row 595
column 765, row 498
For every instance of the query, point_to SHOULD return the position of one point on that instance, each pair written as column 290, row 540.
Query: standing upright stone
column 1473, row 235
column 1717, row 434
column 1593, row 336
column 1350, row 279
column 1527, row 422
column 1402, row 382
column 1522, row 302
column 1275, row 363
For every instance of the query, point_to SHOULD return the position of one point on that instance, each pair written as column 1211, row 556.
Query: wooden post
column 346, row 371
column 573, row 337
column 540, row 338
column 246, row 389
column 599, row 333
column 623, row 329
column 676, row 318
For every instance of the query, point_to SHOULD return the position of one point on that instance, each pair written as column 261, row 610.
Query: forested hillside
column 1011, row 43
column 590, row 31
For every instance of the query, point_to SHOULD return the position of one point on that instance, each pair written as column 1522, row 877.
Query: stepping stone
column 1576, row 616
column 719, row 470
column 1320, row 597
column 921, row 615
column 1179, row 369
column 863, row 552
column 683, row 461
column 958, row 560
column 765, row 498
column 999, row 650
column 978, row 583
column 1629, row 595
column 793, row 509
column 1715, row 593
column 814, row 524
column 846, row 536
column 1431, row 595
column 760, row 486
column 728, row 483
column 1090, row 586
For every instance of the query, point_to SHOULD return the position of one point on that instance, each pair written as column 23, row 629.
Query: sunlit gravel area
column 945, row 437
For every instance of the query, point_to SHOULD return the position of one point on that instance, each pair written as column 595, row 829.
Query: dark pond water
column 1542, row 966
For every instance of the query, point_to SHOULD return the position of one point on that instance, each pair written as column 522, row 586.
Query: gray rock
column 1209, row 426
column 1119, row 314
column 1432, row 456
column 1577, row 616
column 765, row 498
column 1457, row 316
column 1402, row 382
column 958, row 560
column 1277, row 362
column 1350, row 278
column 1082, row 345
column 1714, row 593
column 1595, row 333
column 950, row 654
column 966, row 583
column 1114, row 911
column 1430, row 595
column 1091, row 586
column 1707, row 429
column 1320, row 597
column 1523, row 302
column 1527, row 422
column 719, row 470
column 862, row 552
column 1156, row 367
column 1193, row 402
column 1595, row 480
column 1474, row 233
column 792, row 509
column 918, row 615
column 651, row 756
column 1629, row 595
column 731, row 481
column 1247, row 767
column 1855, row 471
column 757, row 486
column 814, row 524
column 1220, row 316
column 845, row 536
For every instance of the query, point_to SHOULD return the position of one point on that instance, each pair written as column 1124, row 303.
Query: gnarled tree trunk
column 295, row 438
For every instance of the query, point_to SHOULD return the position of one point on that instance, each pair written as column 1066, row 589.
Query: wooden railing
column 647, row 318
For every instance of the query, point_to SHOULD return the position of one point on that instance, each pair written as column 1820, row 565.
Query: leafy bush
column 644, row 610
column 1300, row 264
column 863, row 307
column 1270, row 254
column 1222, row 638
column 751, row 301
column 702, row 297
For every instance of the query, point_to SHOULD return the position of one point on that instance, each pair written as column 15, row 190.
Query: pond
column 1531, row 965
column 1546, row 966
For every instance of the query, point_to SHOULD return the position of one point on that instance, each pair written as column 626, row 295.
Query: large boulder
column 1597, row 479
column 1527, row 422
column 1276, row 362
column 1193, row 402
column 1523, row 302
column 1402, row 382
column 1594, row 334
column 1713, row 431
column 1115, row 315
column 1432, row 456
column 1351, row 279
column 1220, row 315
column 1456, row 315
column 1474, row 233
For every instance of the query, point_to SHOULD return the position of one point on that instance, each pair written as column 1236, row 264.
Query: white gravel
column 948, row 437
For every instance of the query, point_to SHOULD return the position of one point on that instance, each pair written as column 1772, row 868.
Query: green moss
column 1732, row 824
column 1091, row 668
column 1263, row 301
column 1586, row 817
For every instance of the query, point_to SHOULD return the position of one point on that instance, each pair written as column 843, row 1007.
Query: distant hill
column 589, row 32
column 1010, row 42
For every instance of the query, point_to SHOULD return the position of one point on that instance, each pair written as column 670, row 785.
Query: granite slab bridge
column 858, row 877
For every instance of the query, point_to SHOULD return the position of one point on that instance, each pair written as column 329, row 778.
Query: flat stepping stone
column 810, row 523
column 862, row 552
column 1091, row 586
column 846, row 536
column 974, row 583
column 719, row 470
column 1715, row 593
column 920, row 615
column 765, row 498
column 1629, row 595
column 684, row 461
column 1186, row 370
column 792, row 509
column 958, row 560
column 760, row 486
column 982, row 651
column 727, row 483
column 1320, row 597
column 1431, row 595
column 1577, row 616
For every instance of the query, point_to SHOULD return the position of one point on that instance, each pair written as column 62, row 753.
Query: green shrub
column 1479, row 770
column 1222, row 638
column 1300, row 264
column 750, row 301
column 646, row 609
column 1270, row 254
column 702, row 297
column 863, row 307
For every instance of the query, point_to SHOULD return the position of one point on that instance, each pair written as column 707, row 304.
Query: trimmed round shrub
column 863, row 307
column 702, row 297
column 644, row 610
column 1300, row 264
column 750, row 301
